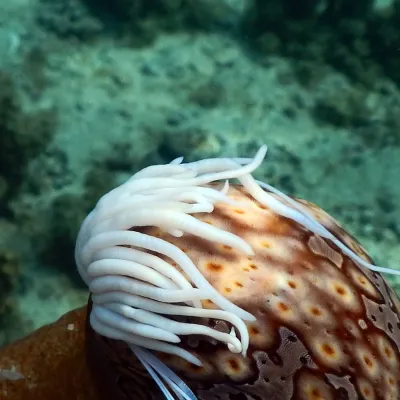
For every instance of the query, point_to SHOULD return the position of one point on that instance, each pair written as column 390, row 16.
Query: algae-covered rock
column 9, row 273
column 208, row 95
column 145, row 19
column 356, row 38
column 22, row 137
column 58, row 242
column 370, row 116
column 68, row 19
column 10, row 270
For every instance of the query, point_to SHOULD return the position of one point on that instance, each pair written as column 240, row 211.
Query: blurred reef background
column 93, row 90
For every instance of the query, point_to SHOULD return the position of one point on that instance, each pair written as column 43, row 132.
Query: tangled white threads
column 134, row 292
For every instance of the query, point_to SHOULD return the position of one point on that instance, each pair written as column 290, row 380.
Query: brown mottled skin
column 326, row 329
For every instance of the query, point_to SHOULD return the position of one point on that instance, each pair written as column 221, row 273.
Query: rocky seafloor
column 92, row 91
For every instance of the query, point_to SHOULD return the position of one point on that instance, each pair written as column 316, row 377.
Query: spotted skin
column 326, row 328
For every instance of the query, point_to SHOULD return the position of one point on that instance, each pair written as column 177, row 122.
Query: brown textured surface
column 326, row 328
column 52, row 361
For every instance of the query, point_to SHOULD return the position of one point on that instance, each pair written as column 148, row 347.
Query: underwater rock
column 23, row 136
column 357, row 38
column 143, row 21
column 69, row 19
column 9, row 275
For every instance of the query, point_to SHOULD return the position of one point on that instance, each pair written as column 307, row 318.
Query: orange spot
column 340, row 290
column 253, row 266
column 367, row 392
column 388, row 352
column 215, row 267
column 316, row 311
column 368, row 361
column 227, row 289
column 238, row 211
column 328, row 349
column 226, row 247
column 391, row 381
column 234, row 364
column 362, row 280
column 254, row 331
column 238, row 284
column 292, row 284
column 266, row 245
column 283, row 307
column 316, row 394
column 246, row 269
